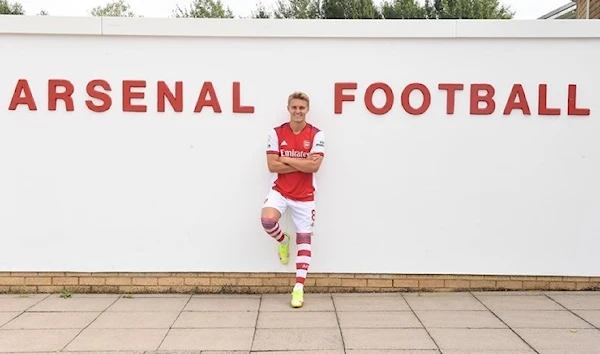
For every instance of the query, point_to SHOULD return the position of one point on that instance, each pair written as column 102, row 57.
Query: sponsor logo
column 294, row 154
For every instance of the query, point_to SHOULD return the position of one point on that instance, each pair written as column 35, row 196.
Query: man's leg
column 273, row 208
column 303, row 214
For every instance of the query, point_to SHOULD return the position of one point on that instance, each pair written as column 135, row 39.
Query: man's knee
column 303, row 238
column 268, row 223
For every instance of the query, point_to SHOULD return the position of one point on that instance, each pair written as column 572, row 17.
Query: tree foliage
column 471, row 9
column 14, row 8
column 261, row 11
column 298, row 9
column 204, row 9
column 116, row 8
column 392, row 9
column 349, row 9
column 403, row 9
column 316, row 9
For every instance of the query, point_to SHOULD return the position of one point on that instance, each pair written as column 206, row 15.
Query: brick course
column 264, row 283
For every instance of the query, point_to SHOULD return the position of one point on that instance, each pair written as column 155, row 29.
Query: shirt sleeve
column 318, row 144
column 273, row 143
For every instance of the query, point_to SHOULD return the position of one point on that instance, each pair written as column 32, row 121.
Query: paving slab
column 444, row 301
column 134, row 319
column 379, row 319
column 244, row 319
column 167, row 304
column 391, row 323
column 477, row 339
column 12, row 303
column 459, row 319
column 52, row 320
column 519, row 302
column 575, row 341
column 75, row 304
column 290, row 319
column 370, row 303
column 109, row 339
column 224, row 304
column 387, row 338
column 591, row 316
column 577, row 301
column 204, row 339
column 297, row 339
column 35, row 340
column 541, row 319
column 281, row 302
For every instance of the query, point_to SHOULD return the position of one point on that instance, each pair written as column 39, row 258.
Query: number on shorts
column 313, row 215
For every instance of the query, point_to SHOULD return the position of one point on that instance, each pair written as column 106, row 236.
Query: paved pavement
column 420, row 323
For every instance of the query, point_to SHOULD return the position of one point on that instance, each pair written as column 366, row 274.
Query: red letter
column 93, row 93
column 517, row 92
column 573, row 110
column 54, row 95
column 128, row 96
column 22, row 85
column 176, row 100
column 207, row 88
column 488, row 99
column 406, row 98
column 237, row 105
column 543, row 103
column 389, row 98
column 451, row 88
column 339, row 97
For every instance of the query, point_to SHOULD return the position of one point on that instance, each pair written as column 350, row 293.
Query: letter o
column 389, row 98
column 406, row 98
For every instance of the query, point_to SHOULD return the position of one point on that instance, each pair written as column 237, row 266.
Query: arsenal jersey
column 283, row 141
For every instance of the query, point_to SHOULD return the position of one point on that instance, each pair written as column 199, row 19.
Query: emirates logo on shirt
column 294, row 154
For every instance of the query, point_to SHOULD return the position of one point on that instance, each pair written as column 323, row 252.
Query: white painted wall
column 435, row 193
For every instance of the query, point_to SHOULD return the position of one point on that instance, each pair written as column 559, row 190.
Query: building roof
column 567, row 11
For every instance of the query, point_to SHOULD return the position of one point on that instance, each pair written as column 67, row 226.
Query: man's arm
column 276, row 166
column 273, row 163
column 310, row 164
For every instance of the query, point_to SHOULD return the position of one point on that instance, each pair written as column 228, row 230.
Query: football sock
column 303, row 257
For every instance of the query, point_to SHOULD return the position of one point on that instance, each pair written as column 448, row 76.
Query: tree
column 116, row 8
column 472, row 9
column 7, row 8
column 261, row 11
column 43, row 13
column 204, row 9
column 405, row 9
column 298, row 9
column 350, row 9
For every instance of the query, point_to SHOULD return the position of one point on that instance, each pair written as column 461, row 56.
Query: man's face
column 298, row 109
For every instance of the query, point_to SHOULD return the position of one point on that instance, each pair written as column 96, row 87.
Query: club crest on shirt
column 306, row 144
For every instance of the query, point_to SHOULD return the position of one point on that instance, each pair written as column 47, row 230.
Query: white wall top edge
column 192, row 27
column 54, row 25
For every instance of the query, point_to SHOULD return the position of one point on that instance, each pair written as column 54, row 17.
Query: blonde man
column 295, row 152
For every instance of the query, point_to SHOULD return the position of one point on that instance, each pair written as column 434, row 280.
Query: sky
column 525, row 9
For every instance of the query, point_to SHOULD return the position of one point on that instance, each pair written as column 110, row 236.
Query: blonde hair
column 300, row 96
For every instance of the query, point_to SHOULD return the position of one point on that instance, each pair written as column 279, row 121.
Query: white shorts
column 303, row 213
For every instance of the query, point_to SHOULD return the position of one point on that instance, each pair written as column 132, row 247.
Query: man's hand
column 315, row 157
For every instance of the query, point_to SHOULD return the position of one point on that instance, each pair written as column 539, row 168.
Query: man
column 294, row 154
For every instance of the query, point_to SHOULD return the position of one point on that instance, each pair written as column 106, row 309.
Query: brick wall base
column 263, row 283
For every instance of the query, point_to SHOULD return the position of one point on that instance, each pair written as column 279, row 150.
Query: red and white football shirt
column 283, row 141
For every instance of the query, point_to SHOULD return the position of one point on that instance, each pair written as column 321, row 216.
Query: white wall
column 434, row 193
